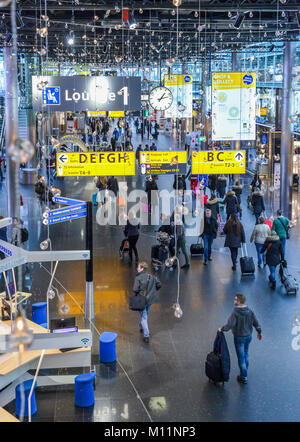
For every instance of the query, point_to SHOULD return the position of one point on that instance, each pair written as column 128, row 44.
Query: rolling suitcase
column 197, row 249
column 213, row 367
column 246, row 262
column 94, row 199
column 289, row 282
column 221, row 225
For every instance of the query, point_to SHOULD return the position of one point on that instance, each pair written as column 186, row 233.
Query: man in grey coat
column 149, row 285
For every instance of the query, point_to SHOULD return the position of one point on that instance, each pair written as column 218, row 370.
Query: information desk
column 14, row 366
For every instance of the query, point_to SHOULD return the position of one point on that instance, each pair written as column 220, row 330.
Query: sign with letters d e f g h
column 218, row 162
column 80, row 93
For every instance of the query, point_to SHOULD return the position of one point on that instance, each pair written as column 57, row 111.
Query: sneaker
column 241, row 380
column 146, row 340
column 185, row 266
column 205, row 263
column 210, row 258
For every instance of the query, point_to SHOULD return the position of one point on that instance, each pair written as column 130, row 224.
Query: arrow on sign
column 238, row 156
column 63, row 158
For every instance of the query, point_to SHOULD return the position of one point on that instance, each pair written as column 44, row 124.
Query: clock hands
column 159, row 99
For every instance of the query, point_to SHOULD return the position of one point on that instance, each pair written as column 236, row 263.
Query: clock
column 160, row 98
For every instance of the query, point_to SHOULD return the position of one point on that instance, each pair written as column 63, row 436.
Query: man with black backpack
column 148, row 285
column 241, row 323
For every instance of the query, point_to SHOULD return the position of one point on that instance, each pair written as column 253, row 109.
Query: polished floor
column 168, row 373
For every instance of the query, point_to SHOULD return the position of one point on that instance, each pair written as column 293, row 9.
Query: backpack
column 24, row 235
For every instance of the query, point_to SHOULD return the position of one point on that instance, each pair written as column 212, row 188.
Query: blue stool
column 27, row 388
column 107, row 347
column 84, row 391
column 39, row 312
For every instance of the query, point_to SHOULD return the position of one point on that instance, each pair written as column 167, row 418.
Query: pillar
column 286, row 152
column 235, row 145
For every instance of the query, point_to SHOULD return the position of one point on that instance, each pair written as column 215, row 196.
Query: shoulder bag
column 285, row 228
column 138, row 302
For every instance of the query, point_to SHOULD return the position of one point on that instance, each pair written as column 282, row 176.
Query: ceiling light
column 229, row 14
column 177, row 3
column 250, row 14
column 173, row 12
column 196, row 14
column 70, row 40
column 117, row 9
column 141, row 11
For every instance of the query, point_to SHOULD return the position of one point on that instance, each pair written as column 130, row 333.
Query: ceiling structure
column 163, row 31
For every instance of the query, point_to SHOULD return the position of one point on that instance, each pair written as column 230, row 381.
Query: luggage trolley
column 160, row 252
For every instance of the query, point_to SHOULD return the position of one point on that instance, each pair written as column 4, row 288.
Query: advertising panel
column 163, row 162
column 181, row 87
column 218, row 162
column 95, row 163
column 80, row 93
column 233, row 105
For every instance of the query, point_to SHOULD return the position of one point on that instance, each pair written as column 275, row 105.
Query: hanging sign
column 218, row 162
column 181, row 87
column 163, row 162
column 96, row 113
column 116, row 114
column 80, row 93
column 95, row 163
column 233, row 106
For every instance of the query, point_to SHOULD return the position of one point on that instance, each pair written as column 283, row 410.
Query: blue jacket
column 220, row 348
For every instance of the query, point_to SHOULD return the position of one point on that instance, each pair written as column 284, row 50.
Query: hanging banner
column 80, row 93
column 218, row 162
column 95, row 163
column 116, row 114
column 163, row 162
column 181, row 87
column 233, row 106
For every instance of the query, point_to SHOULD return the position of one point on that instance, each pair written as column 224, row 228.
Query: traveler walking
column 281, row 226
column 259, row 235
column 231, row 202
column 256, row 182
column 132, row 233
column 181, row 244
column 137, row 152
column 235, row 236
column 241, row 323
column 221, row 185
column 274, row 255
column 101, row 184
column 113, row 186
column 209, row 234
column 238, row 189
column 147, row 285
column 212, row 183
column 168, row 227
column 213, row 205
column 258, row 204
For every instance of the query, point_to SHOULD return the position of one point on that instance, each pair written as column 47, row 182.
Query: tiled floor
column 168, row 373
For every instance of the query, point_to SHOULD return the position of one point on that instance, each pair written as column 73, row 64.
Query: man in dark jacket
column 274, row 255
column 113, row 185
column 132, row 233
column 149, row 285
column 213, row 205
column 209, row 234
column 241, row 323
column 221, row 185
column 137, row 152
column 258, row 204
column 231, row 203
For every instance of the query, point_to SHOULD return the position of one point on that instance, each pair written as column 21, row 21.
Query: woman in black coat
column 238, row 189
column 235, row 236
column 221, row 185
column 274, row 255
column 258, row 204
column 232, row 204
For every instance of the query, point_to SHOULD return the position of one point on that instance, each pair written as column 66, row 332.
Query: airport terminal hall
column 149, row 214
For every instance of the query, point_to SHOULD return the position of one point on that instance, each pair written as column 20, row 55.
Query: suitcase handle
column 242, row 250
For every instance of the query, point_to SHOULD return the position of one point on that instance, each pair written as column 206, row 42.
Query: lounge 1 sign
column 81, row 93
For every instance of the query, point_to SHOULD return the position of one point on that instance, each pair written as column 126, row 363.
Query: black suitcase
column 163, row 254
column 247, row 263
column 289, row 282
column 197, row 249
column 155, row 251
column 213, row 367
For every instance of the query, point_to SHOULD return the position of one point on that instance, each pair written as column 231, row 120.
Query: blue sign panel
column 67, row 210
column 51, row 95
column 62, row 200
column 203, row 179
column 248, row 79
column 60, row 219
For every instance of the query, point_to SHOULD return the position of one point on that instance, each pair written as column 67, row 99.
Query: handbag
column 138, row 302
column 285, row 228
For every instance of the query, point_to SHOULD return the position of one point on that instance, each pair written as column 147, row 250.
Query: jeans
column 260, row 257
column 242, row 351
column 234, row 254
column 144, row 320
column 181, row 244
column 257, row 215
column 208, row 240
column 283, row 242
column 272, row 276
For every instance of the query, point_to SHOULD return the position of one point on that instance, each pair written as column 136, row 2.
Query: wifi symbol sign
column 85, row 341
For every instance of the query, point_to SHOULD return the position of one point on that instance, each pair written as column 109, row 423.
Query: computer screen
column 62, row 323
column 65, row 330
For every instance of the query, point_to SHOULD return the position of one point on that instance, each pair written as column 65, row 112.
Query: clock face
column 160, row 98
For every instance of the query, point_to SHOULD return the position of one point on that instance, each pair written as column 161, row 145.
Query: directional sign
column 60, row 219
column 201, row 138
column 218, row 162
column 64, row 211
column 163, row 162
column 67, row 201
column 96, row 164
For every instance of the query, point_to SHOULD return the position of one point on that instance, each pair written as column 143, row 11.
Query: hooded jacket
column 274, row 249
column 241, row 322
column 213, row 205
column 141, row 284
column 260, row 233
column 231, row 202
column 257, row 202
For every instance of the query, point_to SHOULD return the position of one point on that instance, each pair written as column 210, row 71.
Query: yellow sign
column 96, row 113
column 177, row 80
column 163, row 162
column 95, row 163
column 116, row 114
column 218, row 162
column 233, row 80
